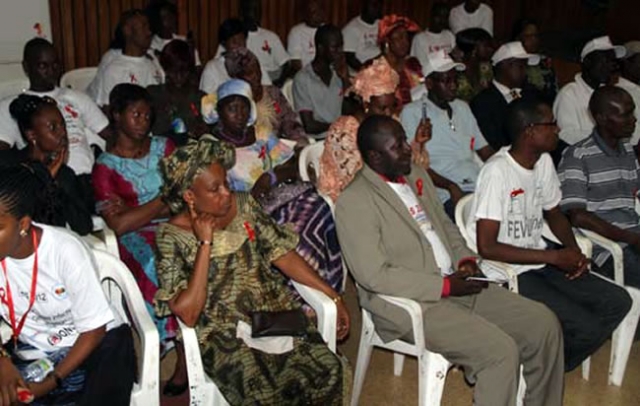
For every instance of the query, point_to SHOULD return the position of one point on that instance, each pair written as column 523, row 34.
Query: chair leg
column 398, row 363
column 433, row 371
column 364, row 356
column 586, row 369
column 623, row 340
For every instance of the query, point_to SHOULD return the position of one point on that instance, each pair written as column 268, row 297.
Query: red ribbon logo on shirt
column 263, row 152
column 194, row 110
column 266, row 47
column 419, row 186
column 277, row 108
column 516, row 192
column 472, row 144
column 250, row 233
column 133, row 79
column 71, row 111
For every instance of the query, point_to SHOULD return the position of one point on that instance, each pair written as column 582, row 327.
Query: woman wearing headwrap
column 267, row 167
column 275, row 114
column 393, row 37
column 214, row 259
column 376, row 85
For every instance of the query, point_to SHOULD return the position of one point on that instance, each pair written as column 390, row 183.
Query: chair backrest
column 287, row 91
column 78, row 79
column 13, row 87
column 310, row 156
column 462, row 214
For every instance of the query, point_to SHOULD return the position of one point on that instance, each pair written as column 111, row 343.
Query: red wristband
column 467, row 259
column 446, row 287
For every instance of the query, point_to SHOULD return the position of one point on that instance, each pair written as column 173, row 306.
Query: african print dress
column 299, row 205
column 240, row 282
column 136, row 182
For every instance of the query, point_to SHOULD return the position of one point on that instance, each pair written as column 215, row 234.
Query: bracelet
column 204, row 242
column 337, row 299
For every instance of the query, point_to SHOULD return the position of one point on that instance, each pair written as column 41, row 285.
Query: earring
column 23, row 233
column 33, row 142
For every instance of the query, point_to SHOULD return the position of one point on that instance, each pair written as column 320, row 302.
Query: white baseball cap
column 633, row 48
column 440, row 62
column 514, row 50
column 602, row 44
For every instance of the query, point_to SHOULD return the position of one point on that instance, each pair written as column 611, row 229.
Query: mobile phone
column 424, row 107
column 485, row 279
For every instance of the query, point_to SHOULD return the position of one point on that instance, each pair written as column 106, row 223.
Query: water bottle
column 37, row 370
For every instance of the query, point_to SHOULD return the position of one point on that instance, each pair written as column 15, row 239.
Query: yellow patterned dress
column 241, row 282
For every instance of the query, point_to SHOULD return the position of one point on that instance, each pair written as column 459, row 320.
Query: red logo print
column 277, row 108
column 133, row 79
column 266, row 47
column 71, row 111
column 516, row 192
column 263, row 152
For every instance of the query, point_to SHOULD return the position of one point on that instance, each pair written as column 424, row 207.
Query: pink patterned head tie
column 390, row 22
column 375, row 80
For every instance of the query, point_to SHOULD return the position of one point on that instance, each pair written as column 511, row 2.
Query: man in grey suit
column 397, row 240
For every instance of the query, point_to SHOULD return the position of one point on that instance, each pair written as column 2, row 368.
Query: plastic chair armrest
column 325, row 309
column 415, row 312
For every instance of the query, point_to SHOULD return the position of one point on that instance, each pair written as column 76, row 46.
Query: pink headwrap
column 375, row 80
column 393, row 21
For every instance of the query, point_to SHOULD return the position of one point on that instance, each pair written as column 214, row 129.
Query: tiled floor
column 381, row 387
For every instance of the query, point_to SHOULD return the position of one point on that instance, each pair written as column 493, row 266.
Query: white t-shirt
column 69, row 299
column 268, row 48
column 460, row 20
column 516, row 197
column 405, row 193
column 158, row 44
column 215, row 73
column 427, row 42
column 301, row 43
column 138, row 70
column 361, row 38
column 83, row 118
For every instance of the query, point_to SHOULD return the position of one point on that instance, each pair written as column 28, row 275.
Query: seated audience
column 85, row 122
column 232, row 35
column 176, row 103
column 361, row 35
column 474, row 48
column 264, row 44
column 456, row 138
column 127, row 182
column 300, row 44
column 517, row 192
column 163, row 21
column 275, row 114
column 436, row 37
column 600, row 180
column 541, row 76
column 398, row 241
column 630, row 81
column 376, row 86
column 132, row 65
column 490, row 106
column 393, row 37
column 268, row 168
column 62, row 199
column 319, row 87
column 571, row 108
column 93, row 361
column 214, row 259
column 471, row 14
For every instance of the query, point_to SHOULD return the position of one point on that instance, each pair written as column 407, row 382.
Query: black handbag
column 284, row 323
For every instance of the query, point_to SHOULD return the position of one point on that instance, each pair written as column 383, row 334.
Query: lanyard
column 32, row 296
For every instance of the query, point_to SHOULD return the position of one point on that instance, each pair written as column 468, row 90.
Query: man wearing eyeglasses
column 600, row 179
column 517, row 191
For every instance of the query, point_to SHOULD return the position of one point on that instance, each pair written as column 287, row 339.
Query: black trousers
column 588, row 308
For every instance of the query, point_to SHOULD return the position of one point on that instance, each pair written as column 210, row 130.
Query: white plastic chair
column 623, row 337
column 432, row 367
column 203, row 391
column 121, row 288
column 462, row 214
column 102, row 237
column 78, row 79
column 287, row 92
column 310, row 157
column 13, row 87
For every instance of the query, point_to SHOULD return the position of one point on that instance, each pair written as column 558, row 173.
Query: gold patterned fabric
column 241, row 282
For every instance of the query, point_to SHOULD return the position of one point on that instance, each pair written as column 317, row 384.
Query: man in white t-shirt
column 436, row 37
column 517, row 191
column 571, row 107
column 86, row 124
column 133, row 65
column 630, row 81
column 397, row 241
column 471, row 14
column 361, row 35
column 232, row 35
column 163, row 19
column 300, row 41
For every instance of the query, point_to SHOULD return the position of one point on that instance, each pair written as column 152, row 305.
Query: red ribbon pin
column 250, row 232
column 419, row 186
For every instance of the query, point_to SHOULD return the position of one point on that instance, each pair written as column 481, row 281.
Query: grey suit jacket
column 387, row 252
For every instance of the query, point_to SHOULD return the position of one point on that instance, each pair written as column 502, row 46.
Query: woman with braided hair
column 61, row 197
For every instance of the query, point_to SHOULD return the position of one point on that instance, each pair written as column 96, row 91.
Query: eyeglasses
column 553, row 123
